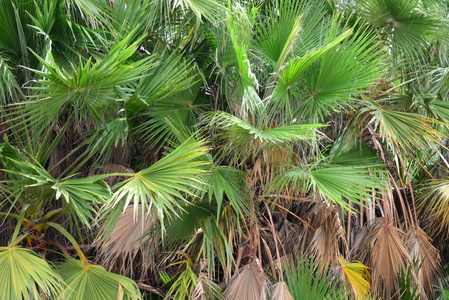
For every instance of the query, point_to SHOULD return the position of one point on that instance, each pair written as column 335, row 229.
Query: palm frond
column 125, row 252
column 280, row 291
column 88, row 281
column 388, row 255
column 331, row 84
column 305, row 283
column 89, row 87
column 357, row 276
column 249, row 283
column 434, row 202
column 422, row 251
column 335, row 183
column 24, row 275
column 164, row 184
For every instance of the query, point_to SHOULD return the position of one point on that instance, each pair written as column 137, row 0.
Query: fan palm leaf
column 163, row 184
column 25, row 274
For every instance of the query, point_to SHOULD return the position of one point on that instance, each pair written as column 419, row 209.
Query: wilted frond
column 25, row 275
column 206, row 289
column 329, row 235
column 357, row 275
column 280, row 291
column 249, row 283
column 88, row 281
column 427, row 257
column 125, row 252
column 384, row 243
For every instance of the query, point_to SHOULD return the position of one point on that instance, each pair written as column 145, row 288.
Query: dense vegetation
column 204, row 149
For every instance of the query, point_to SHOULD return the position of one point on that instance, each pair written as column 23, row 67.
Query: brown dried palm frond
column 383, row 249
column 280, row 291
column 250, row 283
column 427, row 257
column 124, row 252
column 206, row 289
column 329, row 237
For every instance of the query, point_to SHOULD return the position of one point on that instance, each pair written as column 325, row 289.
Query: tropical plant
column 186, row 148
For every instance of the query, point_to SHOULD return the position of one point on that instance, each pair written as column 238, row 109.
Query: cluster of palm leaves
column 211, row 149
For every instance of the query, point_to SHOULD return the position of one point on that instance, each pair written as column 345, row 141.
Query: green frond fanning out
column 240, row 22
column 434, row 203
column 406, row 22
column 305, row 283
column 165, row 185
column 239, row 131
column 404, row 130
column 80, row 197
column 336, row 183
column 330, row 83
column 25, row 275
column 88, row 87
column 88, row 281
column 227, row 182
column 172, row 75
column 283, row 36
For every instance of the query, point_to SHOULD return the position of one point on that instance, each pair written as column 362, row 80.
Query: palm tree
column 223, row 150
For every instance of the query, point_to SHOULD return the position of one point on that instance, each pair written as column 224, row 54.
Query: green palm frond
column 165, row 185
column 286, row 89
column 25, row 274
column 88, row 281
column 277, row 38
column 406, row 21
column 237, row 130
column 337, row 183
column 10, row 91
column 172, row 75
column 404, row 129
column 89, row 87
column 434, row 203
column 331, row 83
column 306, row 283
column 223, row 181
column 212, row 10
column 80, row 196
column 239, row 24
